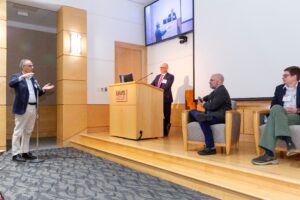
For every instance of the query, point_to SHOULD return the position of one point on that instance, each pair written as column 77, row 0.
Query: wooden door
column 130, row 58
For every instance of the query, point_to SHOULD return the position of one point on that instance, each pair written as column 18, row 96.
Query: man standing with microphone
column 24, row 107
column 165, row 81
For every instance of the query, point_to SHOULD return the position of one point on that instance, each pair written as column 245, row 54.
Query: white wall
column 107, row 21
column 180, row 60
column 121, row 20
column 250, row 42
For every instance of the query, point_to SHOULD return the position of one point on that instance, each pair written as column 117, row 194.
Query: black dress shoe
column 28, row 156
column 207, row 151
column 18, row 158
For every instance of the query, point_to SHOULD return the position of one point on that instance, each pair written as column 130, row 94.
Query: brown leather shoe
column 18, row 158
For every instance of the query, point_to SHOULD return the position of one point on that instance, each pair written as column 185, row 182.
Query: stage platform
column 221, row 176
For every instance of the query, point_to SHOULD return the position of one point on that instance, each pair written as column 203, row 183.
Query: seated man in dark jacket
column 215, row 104
column 285, row 110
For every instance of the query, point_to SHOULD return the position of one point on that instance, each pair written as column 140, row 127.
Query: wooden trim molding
column 3, row 78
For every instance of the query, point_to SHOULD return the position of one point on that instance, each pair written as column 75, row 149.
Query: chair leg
column 222, row 150
column 237, row 145
column 228, row 145
column 186, row 146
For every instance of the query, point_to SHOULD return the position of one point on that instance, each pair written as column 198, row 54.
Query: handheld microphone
column 36, row 84
column 200, row 100
column 144, row 77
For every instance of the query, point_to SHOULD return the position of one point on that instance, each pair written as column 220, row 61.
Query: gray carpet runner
column 68, row 173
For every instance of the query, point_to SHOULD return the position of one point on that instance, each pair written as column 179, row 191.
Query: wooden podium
column 136, row 110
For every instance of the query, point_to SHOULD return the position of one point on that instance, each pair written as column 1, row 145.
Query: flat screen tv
column 126, row 78
column 166, row 19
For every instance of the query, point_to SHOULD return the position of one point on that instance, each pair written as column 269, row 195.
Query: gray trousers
column 277, row 126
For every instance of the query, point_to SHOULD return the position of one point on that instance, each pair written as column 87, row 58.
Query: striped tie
column 160, row 80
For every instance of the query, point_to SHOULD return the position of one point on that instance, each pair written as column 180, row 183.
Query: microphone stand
column 37, row 160
column 144, row 77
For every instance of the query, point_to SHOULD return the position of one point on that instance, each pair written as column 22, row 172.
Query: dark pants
column 167, row 118
column 205, row 126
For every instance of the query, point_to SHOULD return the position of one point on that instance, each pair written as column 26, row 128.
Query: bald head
column 219, row 77
column 216, row 80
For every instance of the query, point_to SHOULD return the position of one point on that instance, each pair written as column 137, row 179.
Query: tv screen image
column 165, row 19
column 126, row 78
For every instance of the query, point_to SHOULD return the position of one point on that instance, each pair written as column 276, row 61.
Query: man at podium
column 165, row 81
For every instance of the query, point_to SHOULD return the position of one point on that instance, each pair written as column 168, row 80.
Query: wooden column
column 3, row 74
column 71, row 75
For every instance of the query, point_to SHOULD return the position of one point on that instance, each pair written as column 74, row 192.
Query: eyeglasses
column 29, row 65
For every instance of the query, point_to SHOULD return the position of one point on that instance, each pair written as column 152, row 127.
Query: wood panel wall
column 3, row 79
column 246, row 108
column 47, row 121
column 71, row 75
column 98, row 116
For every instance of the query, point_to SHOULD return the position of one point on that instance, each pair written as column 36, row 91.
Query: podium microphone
column 144, row 77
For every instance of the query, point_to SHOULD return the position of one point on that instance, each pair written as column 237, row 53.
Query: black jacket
column 168, row 97
column 280, row 92
column 22, row 93
column 217, row 102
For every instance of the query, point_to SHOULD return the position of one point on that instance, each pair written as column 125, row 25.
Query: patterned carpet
column 71, row 174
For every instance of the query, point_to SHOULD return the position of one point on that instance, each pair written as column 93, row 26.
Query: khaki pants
column 24, row 125
column 277, row 126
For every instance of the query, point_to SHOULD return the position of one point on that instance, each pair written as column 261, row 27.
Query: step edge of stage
column 240, row 188
column 203, row 160
column 200, row 186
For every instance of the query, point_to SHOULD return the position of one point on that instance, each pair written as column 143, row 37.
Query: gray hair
column 22, row 62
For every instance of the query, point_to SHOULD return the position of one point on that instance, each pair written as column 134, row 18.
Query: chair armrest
column 229, row 115
column 262, row 112
column 232, row 112
column 256, row 127
column 184, row 121
column 232, row 127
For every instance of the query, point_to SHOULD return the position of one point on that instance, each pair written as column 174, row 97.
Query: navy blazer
column 280, row 92
column 22, row 93
column 168, row 97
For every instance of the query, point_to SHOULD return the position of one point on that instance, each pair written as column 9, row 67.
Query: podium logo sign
column 121, row 95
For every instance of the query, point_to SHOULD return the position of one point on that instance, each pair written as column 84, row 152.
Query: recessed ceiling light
column 23, row 13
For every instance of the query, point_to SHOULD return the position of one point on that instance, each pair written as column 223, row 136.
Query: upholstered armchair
column 225, row 135
column 259, row 125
